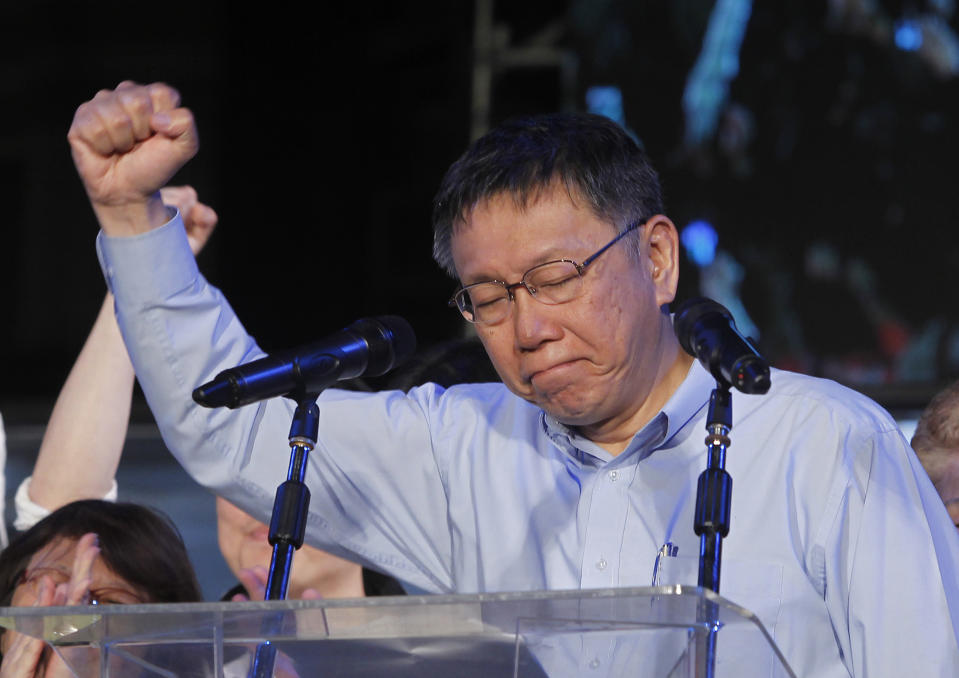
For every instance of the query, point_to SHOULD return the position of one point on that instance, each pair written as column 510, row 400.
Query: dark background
column 324, row 138
column 326, row 129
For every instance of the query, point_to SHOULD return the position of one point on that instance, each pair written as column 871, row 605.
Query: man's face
column 591, row 362
column 244, row 543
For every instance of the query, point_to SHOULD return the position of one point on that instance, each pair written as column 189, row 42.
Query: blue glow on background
column 700, row 240
column 908, row 35
column 606, row 100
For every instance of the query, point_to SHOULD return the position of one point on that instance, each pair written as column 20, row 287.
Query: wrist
column 132, row 218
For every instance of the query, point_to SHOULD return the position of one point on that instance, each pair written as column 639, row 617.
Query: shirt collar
column 687, row 401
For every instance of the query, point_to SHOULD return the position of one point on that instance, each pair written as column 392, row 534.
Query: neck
column 614, row 435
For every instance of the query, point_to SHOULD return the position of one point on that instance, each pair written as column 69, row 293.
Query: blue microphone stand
column 288, row 523
column 711, row 521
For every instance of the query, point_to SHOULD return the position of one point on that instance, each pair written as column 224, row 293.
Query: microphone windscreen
column 391, row 341
column 689, row 313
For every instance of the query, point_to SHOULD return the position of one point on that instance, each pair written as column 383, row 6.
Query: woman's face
column 55, row 563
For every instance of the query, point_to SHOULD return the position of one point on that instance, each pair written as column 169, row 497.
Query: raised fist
column 126, row 144
column 198, row 219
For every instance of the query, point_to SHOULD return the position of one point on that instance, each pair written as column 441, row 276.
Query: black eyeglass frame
column 509, row 287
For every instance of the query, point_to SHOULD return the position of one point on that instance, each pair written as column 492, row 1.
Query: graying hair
column 592, row 156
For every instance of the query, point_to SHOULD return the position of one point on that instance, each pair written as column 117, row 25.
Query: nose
column 533, row 322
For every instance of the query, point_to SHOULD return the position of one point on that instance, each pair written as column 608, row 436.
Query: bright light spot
column 606, row 100
column 700, row 240
column 908, row 35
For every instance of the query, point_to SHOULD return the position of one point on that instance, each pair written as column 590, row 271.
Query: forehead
column 58, row 554
column 57, row 550
column 501, row 234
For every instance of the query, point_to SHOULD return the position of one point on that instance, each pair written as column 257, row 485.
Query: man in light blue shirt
column 578, row 470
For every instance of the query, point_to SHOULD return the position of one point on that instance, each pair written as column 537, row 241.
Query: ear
column 662, row 257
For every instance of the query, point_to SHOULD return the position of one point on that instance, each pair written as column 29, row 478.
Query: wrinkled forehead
column 503, row 236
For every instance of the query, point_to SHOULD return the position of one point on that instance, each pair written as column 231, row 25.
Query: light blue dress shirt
column 838, row 540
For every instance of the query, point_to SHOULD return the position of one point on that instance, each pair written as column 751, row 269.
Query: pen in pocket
column 667, row 550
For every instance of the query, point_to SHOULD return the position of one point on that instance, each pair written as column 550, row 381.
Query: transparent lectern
column 653, row 631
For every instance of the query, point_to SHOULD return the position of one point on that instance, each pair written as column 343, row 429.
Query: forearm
column 84, row 438
column 179, row 332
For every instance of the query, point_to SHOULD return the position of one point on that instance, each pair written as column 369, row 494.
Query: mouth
column 552, row 372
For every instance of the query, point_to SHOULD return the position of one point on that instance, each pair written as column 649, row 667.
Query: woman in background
column 84, row 439
column 89, row 552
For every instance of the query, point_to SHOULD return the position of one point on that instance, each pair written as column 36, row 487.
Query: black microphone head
column 221, row 392
column 689, row 313
column 371, row 346
column 391, row 342
column 706, row 330
column 751, row 375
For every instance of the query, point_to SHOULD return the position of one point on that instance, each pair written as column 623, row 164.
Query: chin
column 565, row 407
column 574, row 413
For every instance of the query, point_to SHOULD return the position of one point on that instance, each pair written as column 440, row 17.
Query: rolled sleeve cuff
column 139, row 268
column 29, row 513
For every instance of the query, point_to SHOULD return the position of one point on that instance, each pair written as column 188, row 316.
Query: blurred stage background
column 807, row 150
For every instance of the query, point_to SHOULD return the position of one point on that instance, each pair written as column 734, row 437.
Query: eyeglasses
column 552, row 283
column 106, row 595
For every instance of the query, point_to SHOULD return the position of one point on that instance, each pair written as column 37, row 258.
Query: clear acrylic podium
column 654, row 632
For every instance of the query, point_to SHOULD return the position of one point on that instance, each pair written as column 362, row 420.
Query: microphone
column 707, row 332
column 369, row 346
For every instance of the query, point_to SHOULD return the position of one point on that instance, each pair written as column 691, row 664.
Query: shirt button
column 613, row 475
column 594, row 663
column 601, row 565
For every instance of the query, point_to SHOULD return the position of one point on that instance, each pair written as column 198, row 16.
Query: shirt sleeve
column 889, row 555
column 29, row 513
column 377, row 494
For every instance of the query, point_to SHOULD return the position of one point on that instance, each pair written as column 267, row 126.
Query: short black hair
column 137, row 543
column 594, row 158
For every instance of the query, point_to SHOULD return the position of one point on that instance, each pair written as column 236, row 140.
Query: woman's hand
column 254, row 580
column 28, row 657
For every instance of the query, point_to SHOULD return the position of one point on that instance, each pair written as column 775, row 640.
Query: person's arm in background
column 84, row 438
